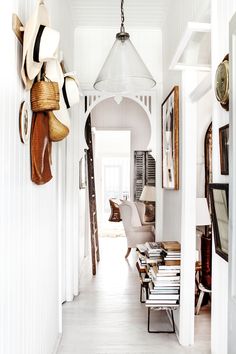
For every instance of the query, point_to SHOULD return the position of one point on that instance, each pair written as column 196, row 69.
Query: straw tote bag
column 44, row 95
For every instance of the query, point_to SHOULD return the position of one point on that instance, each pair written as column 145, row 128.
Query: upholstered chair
column 134, row 230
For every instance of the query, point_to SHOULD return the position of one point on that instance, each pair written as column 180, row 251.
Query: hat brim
column 53, row 72
column 48, row 45
column 39, row 17
column 62, row 114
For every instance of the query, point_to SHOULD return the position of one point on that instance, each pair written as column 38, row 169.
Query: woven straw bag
column 57, row 130
column 45, row 96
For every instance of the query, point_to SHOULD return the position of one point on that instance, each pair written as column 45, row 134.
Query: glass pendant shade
column 124, row 70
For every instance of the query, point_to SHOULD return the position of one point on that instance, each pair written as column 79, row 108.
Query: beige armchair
column 135, row 231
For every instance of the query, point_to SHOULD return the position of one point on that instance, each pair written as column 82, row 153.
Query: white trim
column 57, row 344
column 202, row 88
column 191, row 28
column 232, row 188
column 188, row 217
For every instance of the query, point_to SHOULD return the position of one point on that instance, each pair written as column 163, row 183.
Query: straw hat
column 71, row 90
column 62, row 114
column 57, row 130
column 39, row 45
column 53, row 72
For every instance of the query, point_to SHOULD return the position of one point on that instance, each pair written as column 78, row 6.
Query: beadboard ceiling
column 106, row 13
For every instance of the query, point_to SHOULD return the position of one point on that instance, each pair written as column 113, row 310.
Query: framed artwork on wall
column 224, row 149
column 220, row 217
column 170, row 140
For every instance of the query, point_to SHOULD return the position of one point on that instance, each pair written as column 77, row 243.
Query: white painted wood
column 188, row 219
column 29, row 234
column 232, row 191
column 183, row 47
column 202, row 88
column 142, row 14
column 221, row 14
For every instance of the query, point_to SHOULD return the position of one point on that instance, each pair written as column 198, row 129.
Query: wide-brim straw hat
column 40, row 44
column 71, row 90
column 42, row 48
column 39, row 17
column 53, row 71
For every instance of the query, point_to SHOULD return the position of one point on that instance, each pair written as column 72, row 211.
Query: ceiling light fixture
column 124, row 70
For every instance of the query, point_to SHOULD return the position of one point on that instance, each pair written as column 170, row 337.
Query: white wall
column 29, row 226
column 221, row 14
column 179, row 206
column 204, row 118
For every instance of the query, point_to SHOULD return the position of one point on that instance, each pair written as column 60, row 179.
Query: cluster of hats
column 52, row 91
column 40, row 47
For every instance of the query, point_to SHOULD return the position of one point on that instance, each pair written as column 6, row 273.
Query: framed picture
column 24, row 122
column 224, row 149
column 170, row 140
column 82, row 172
column 220, row 217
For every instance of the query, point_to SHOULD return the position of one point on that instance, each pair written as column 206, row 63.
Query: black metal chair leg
column 172, row 319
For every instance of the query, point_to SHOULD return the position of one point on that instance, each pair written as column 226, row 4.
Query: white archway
column 147, row 101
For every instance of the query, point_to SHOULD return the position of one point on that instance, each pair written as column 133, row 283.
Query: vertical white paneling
column 29, row 217
column 221, row 14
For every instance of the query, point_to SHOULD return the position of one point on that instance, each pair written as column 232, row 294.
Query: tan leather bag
column 40, row 148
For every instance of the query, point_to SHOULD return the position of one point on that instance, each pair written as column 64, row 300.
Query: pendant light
column 123, row 70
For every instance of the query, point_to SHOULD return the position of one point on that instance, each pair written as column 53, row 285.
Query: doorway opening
column 112, row 170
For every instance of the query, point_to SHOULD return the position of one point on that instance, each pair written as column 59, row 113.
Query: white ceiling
column 106, row 13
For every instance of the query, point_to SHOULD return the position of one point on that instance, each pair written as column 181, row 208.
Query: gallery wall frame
column 170, row 140
column 219, row 199
column 224, row 149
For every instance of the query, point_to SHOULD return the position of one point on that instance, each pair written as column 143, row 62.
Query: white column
column 188, row 173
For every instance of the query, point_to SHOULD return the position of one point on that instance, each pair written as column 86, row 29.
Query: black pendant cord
column 122, row 26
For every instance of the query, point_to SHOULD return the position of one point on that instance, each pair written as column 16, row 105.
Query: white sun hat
column 42, row 48
column 62, row 114
column 53, row 72
column 71, row 90
column 40, row 44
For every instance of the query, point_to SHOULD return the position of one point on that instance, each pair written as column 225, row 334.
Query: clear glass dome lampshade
column 124, row 70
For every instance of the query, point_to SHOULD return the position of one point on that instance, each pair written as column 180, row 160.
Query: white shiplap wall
column 29, row 225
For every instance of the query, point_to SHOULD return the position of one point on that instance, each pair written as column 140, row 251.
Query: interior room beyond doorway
column 112, row 176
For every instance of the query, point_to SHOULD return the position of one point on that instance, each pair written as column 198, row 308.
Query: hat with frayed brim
column 71, row 90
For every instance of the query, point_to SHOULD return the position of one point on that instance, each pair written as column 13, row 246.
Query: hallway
column 107, row 317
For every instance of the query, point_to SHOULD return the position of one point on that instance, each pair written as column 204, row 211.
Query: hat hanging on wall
column 42, row 48
column 71, row 90
column 40, row 44
column 53, row 72
column 59, row 122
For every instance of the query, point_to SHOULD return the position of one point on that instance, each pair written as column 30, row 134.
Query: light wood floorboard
column 107, row 317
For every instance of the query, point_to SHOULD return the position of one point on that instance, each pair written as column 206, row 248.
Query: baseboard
column 57, row 344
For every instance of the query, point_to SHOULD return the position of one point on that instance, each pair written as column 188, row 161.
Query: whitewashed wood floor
column 107, row 317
